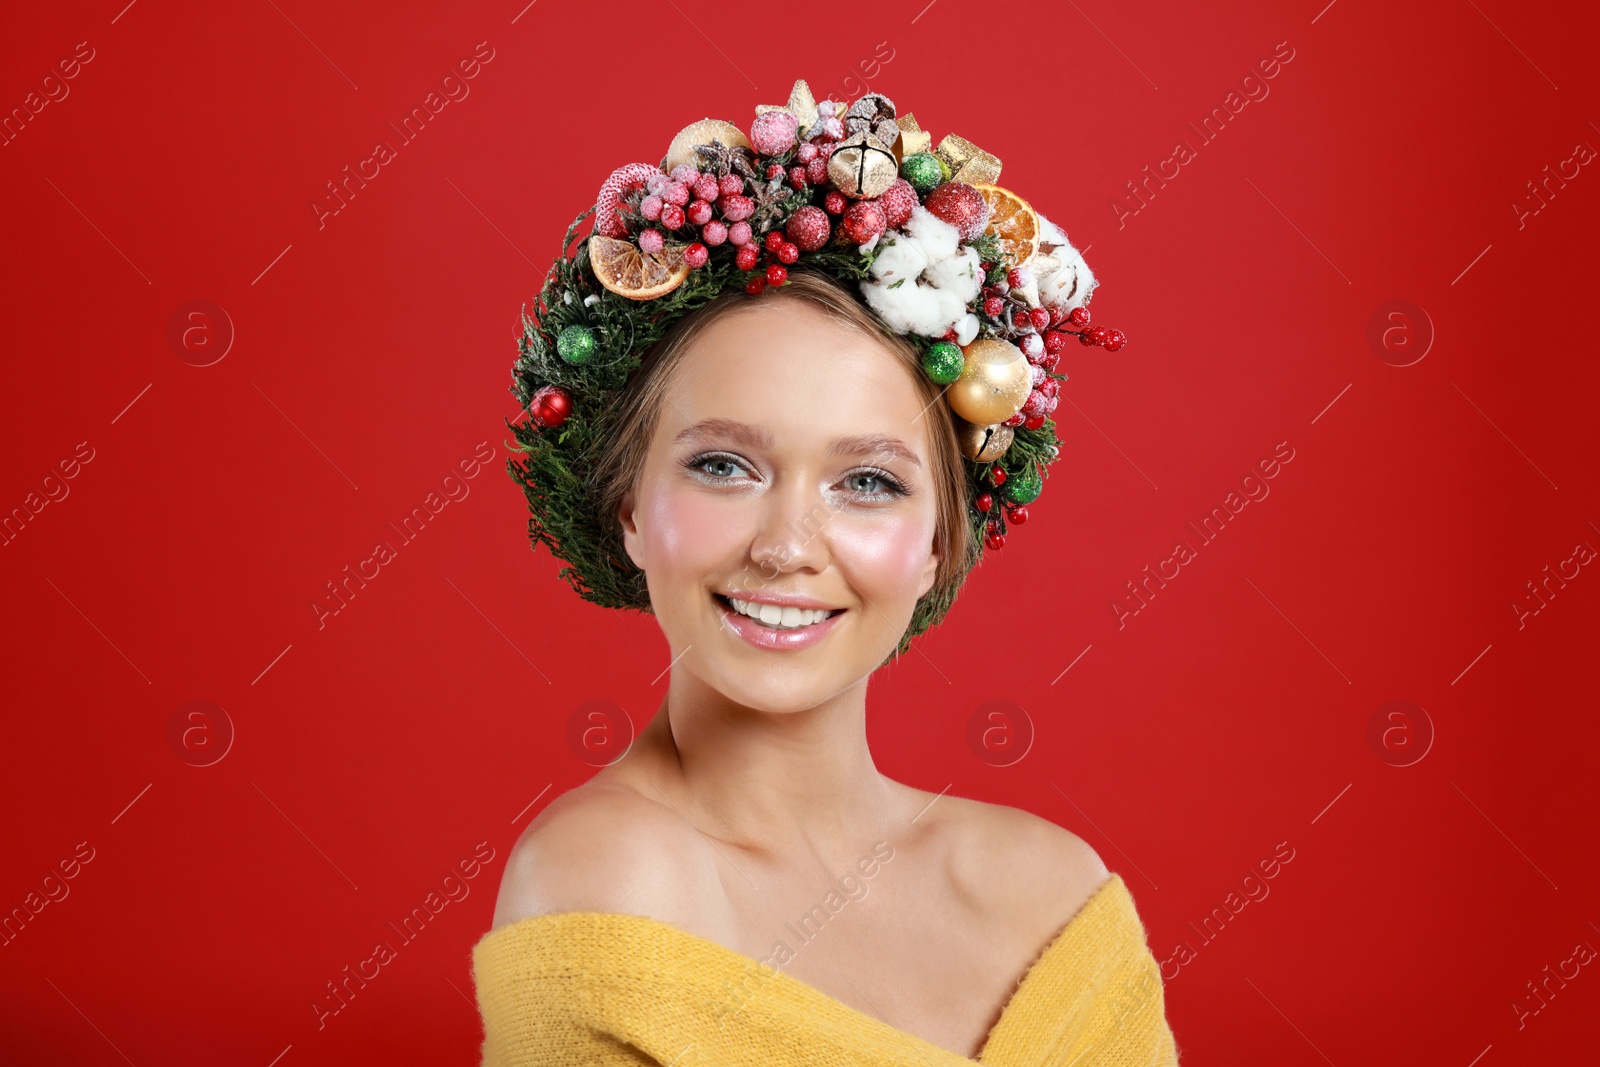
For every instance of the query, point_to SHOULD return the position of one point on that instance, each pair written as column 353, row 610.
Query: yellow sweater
column 589, row 988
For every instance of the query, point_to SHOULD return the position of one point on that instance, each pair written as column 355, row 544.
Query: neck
column 767, row 781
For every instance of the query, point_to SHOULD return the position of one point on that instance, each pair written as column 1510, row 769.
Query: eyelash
column 895, row 486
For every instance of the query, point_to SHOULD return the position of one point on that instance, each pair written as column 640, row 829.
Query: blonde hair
column 622, row 455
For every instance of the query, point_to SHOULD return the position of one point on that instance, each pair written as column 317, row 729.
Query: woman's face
column 790, row 464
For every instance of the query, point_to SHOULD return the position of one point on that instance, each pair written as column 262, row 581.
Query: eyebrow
column 760, row 437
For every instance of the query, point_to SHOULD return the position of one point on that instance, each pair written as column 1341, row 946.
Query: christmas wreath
column 989, row 288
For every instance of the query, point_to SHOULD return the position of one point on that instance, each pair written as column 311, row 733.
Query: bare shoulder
column 606, row 848
column 1026, row 865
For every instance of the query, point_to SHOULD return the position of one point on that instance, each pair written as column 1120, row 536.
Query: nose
column 792, row 533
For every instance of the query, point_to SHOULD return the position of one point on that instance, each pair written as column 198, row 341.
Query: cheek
column 685, row 531
column 883, row 556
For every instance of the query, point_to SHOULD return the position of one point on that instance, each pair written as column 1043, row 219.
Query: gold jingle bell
column 983, row 444
column 862, row 167
column 995, row 380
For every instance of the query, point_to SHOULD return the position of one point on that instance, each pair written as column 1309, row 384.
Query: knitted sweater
column 591, row 988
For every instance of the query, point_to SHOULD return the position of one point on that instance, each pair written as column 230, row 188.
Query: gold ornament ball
column 862, row 167
column 995, row 380
column 697, row 133
column 983, row 444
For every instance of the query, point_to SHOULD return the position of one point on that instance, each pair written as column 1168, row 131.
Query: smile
column 769, row 626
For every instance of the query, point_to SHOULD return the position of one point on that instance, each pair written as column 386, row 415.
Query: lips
column 766, row 637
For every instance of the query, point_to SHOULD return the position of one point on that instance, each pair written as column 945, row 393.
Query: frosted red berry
column 714, row 232
column 672, row 216
column 1079, row 317
column 740, row 234
column 808, row 228
column 835, row 203
column 993, row 307
column 745, row 258
column 788, row 252
column 729, row 185
column 696, row 255
column 755, row 285
column 1040, row 318
column 776, row 274
column 772, row 240
column 699, row 212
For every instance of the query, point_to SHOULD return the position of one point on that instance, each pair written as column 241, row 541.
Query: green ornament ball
column 576, row 344
column 923, row 170
column 942, row 362
column 1025, row 486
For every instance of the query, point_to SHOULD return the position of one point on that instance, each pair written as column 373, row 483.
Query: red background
column 372, row 355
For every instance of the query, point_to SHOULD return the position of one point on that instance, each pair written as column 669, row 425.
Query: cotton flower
column 1063, row 278
column 924, row 279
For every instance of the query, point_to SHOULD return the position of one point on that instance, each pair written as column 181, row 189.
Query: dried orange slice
column 1013, row 220
column 627, row 271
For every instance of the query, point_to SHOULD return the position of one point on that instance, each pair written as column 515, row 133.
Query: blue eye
column 722, row 467
column 892, row 485
column 699, row 463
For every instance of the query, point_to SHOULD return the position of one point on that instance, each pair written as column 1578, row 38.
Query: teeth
column 779, row 618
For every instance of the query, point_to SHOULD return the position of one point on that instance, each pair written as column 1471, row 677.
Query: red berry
column 739, row 234
column 1056, row 314
column 1055, row 341
column 984, row 501
column 1034, row 405
column 745, row 258
column 714, row 232
column 1115, row 341
column 774, row 170
column 1050, row 360
column 788, row 252
column 797, row 177
column 651, row 241
column 729, row 185
column 949, row 334
column 672, row 216
column 997, row 477
column 1100, row 334
column 1015, row 419
column 835, row 203
column 1020, row 318
column 1018, row 277
column 1050, row 387
column 650, row 207
column 755, row 285
column 808, row 228
column 1079, row 317
column 696, row 255
column 773, row 240
column 1040, row 318
column 699, row 212
column 1017, row 514
column 676, row 193
column 1085, row 338
column 737, row 207
column 706, row 187
column 1033, row 422
column 776, row 274
column 817, row 170
column 993, row 306
column 806, row 152
column 994, row 541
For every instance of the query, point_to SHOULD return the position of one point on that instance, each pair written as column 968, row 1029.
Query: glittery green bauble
column 922, row 170
column 576, row 344
column 942, row 362
column 1025, row 486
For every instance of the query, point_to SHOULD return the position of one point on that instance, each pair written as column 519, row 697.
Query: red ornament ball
column 776, row 274
column 773, row 132
column 862, row 221
column 550, row 407
column 898, row 201
column 835, row 203
column 808, row 228
column 961, row 206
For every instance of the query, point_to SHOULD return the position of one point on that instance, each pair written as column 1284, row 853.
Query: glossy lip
column 782, row 600
column 775, row 640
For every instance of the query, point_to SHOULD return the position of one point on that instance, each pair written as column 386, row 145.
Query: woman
column 744, row 885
